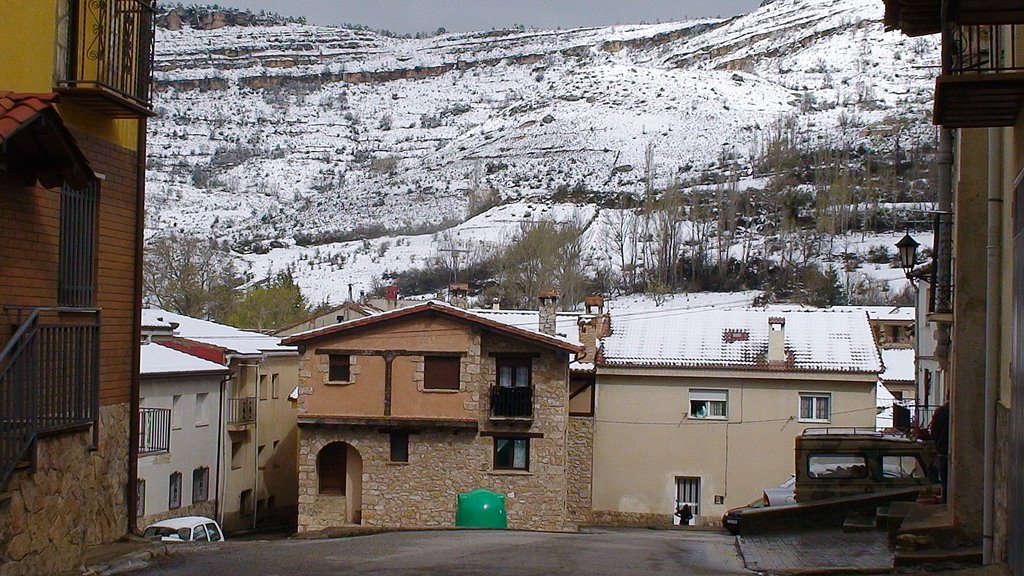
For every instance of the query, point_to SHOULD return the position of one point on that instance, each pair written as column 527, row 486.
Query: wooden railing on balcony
column 49, row 379
column 154, row 430
column 512, row 402
column 241, row 410
column 106, row 50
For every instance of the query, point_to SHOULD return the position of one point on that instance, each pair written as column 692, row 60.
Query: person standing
column 940, row 434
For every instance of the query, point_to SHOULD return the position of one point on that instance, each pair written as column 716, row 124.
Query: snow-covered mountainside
column 283, row 139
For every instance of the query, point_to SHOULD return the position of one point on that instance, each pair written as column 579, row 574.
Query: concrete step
column 962, row 556
column 927, row 526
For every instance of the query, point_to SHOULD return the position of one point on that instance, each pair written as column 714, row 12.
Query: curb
column 127, row 562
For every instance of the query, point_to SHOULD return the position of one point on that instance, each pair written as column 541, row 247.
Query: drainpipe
column 218, row 508
column 133, row 400
column 993, row 305
column 256, row 448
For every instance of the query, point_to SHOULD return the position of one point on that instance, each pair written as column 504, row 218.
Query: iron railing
column 512, row 402
column 109, row 45
column 49, row 379
column 77, row 260
column 983, row 49
column 242, row 410
column 941, row 301
column 154, row 430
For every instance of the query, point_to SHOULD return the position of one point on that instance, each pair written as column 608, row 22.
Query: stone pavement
column 816, row 552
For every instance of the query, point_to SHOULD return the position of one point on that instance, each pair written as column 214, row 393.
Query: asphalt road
column 467, row 553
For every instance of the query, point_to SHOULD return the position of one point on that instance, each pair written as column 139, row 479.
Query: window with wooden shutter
column 441, row 372
column 330, row 468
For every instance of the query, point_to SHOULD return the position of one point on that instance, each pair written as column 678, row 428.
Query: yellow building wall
column 644, row 440
column 28, row 34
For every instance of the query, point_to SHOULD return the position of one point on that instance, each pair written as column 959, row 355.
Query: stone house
column 259, row 437
column 179, row 429
column 703, row 407
column 400, row 412
column 976, row 286
column 74, row 99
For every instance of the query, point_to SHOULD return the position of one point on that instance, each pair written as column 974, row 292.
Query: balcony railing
column 941, row 301
column 154, row 430
column 242, row 410
column 982, row 81
column 106, row 50
column 49, row 378
column 512, row 402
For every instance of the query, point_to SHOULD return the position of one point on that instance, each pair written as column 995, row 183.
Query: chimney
column 776, row 340
column 458, row 295
column 594, row 304
column 548, row 305
column 392, row 295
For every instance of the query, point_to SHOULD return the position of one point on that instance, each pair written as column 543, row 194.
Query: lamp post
column 907, row 247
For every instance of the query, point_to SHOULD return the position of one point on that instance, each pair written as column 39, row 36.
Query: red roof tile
column 19, row 109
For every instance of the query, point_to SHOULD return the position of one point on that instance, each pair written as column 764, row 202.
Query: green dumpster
column 481, row 509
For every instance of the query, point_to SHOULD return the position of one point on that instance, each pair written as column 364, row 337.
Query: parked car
column 185, row 529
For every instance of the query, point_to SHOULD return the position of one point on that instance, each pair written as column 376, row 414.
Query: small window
column 202, row 411
column 513, row 372
column 837, row 466
column 174, row 491
column 511, row 453
column 711, row 404
column 441, row 372
column 815, row 407
column 200, row 484
column 340, row 368
column 245, row 502
column 176, row 412
column 264, row 383
column 140, row 498
column 275, row 385
column 237, row 455
column 399, row 440
column 77, row 258
column 902, row 467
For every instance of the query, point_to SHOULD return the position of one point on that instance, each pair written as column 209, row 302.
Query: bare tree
column 191, row 276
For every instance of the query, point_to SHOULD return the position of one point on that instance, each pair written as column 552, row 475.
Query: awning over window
column 35, row 144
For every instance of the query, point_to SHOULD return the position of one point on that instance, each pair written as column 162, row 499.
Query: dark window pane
column 399, row 446
column 513, row 372
column 441, row 372
column 511, row 453
column 339, row 370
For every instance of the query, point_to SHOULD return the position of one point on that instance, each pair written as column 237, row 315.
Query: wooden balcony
column 105, row 51
column 982, row 85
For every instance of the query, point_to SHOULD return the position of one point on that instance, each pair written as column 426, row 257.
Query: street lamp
column 907, row 247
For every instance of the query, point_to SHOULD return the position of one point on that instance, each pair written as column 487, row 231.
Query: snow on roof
column 157, row 359
column 445, row 308
column 214, row 334
column 882, row 313
column 899, row 365
column 565, row 323
column 817, row 340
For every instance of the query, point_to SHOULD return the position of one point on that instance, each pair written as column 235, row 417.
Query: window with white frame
column 815, row 407
column 174, row 491
column 711, row 404
column 202, row 411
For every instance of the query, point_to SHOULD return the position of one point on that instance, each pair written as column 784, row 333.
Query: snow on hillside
column 275, row 138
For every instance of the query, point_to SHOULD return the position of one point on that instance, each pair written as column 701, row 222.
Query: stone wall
column 580, row 448
column 75, row 497
column 614, row 518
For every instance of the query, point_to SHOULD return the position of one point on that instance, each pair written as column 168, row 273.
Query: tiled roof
column 818, row 340
column 44, row 150
column 228, row 338
column 439, row 308
column 17, row 110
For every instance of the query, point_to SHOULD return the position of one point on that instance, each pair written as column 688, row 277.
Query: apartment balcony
column 105, row 55
column 154, row 430
column 241, row 412
column 982, row 84
column 49, row 377
column 512, row 403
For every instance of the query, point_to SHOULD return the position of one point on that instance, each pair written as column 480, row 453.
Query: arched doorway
column 339, row 471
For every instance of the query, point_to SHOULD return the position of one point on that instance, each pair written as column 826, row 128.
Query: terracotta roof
column 443, row 309
column 35, row 142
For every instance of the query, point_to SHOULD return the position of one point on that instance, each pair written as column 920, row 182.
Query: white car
column 185, row 529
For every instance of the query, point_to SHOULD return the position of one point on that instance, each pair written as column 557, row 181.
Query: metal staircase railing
column 49, row 379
